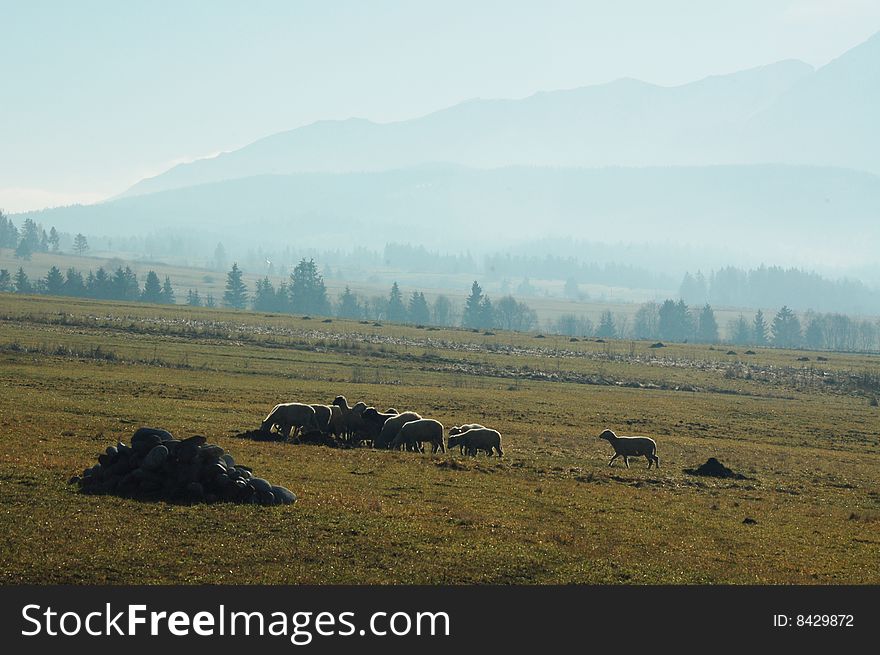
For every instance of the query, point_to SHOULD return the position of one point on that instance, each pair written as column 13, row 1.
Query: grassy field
column 78, row 375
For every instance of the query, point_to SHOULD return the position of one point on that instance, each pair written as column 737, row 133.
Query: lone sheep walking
column 631, row 447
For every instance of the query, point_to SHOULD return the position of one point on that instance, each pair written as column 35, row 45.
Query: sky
column 96, row 95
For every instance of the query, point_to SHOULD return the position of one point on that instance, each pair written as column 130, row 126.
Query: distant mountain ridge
column 621, row 123
column 777, row 207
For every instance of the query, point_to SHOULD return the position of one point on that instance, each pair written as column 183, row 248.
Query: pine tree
column 441, row 312
column 760, row 331
column 152, row 289
column 419, row 312
column 209, row 300
column 264, row 296
column 125, row 285
column 786, row 329
column 167, row 292
column 741, row 331
column 236, row 290
column 22, row 282
column 54, row 282
column 192, row 298
column 308, row 294
column 607, row 329
column 5, row 278
column 487, row 314
column 24, row 250
column 219, row 258
column 54, row 239
column 707, row 326
column 80, row 244
column 814, row 336
column 73, row 283
column 472, row 317
column 396, row 308
column 349, row 307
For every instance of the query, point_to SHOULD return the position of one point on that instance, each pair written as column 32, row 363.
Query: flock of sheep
column 409, row 430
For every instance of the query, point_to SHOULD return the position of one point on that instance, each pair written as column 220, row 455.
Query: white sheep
column 458, row 429
column 354, row 423
column 323, row 413
column 415, row 433
column 287, row 416
column 392, row 426
column 631, row 447
column 475, row 439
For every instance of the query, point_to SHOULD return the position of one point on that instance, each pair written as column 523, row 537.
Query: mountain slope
column 826, row 211
column 623, row 123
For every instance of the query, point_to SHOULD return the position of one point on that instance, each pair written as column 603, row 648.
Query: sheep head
column 340, row 401
column 608, row 435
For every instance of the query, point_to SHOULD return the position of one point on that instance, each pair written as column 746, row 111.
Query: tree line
column 304, row 292
column 773, row 286
column 121, row 284
column 32, row 237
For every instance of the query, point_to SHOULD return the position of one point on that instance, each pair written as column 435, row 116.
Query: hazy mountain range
column 782, row 157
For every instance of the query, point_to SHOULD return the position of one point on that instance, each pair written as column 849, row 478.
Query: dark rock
column 261, row 485
column 142, row 433
column 715, row 469
column 155, row 458
column 283, row 495
column 749, row 521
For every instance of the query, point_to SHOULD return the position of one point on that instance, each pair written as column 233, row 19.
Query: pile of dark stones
column 156, row 466
column 715, row 469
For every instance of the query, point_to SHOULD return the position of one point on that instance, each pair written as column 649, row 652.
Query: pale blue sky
column 95, row 95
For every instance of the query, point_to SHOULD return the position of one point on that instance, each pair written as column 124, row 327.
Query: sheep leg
column 626, row 460
column 613, row 457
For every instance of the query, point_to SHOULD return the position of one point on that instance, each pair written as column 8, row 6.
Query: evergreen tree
column 219, row 258
column 308, row 295
column 125, row 285
column 707, row 326
column 80, row 244
column 5, row 278
column 152, row 289
column 607, row 329
column 24, row 250
column 236, row 290
column 674, row 321
column 22, row 282
column 487, row 314
column 209, row 300
column 760, row 331
column 786, row 329
column 264, row 296
column 44, row 241
column 54, row 282
column 441, row 312
column 472, row 316
column 192, row 298
column 167, row 292
column 349, row 307
column 396, row 308
column 8, row 232
column 814, row 336
column 645, row 324
column 54, row 239
column 740, row 331
column 419, row 312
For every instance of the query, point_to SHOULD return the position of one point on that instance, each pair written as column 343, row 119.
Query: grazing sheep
column 631, row 447
column 476, row 439
column 351, row 415
column 458, row 429
column 287, row 416
column 336, row 426
column 415, row 433
column 323, row 413
column 392, row 426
